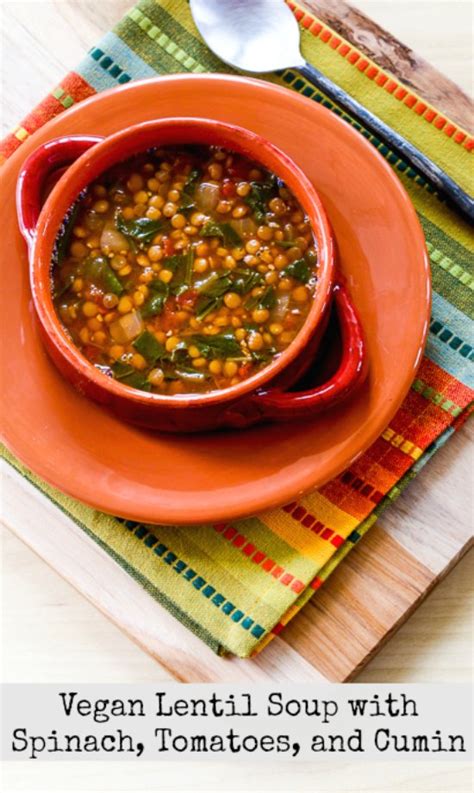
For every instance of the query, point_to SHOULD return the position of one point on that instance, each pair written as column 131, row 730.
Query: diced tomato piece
column 168, row 246
column 187, row 299
column 168, row 317
column 228, row 188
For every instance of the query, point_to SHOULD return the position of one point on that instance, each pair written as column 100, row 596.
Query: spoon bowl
column 253, row 36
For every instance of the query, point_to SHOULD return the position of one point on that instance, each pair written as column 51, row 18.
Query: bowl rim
column 111, row 149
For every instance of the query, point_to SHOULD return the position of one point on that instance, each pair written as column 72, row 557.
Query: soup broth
column 184, row 270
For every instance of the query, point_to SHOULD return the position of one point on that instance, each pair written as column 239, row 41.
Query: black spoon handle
column 434, row 175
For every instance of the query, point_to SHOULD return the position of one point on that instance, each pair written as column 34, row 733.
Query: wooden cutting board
column 382, row 581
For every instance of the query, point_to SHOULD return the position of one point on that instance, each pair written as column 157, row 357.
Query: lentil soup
column 184, row 270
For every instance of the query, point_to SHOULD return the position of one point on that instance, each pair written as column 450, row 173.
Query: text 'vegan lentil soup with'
column 184, row 270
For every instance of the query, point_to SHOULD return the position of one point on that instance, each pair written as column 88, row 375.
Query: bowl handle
column 37, row 167
column 278, row 405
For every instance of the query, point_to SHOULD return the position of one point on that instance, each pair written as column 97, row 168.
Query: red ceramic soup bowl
column 81, row 159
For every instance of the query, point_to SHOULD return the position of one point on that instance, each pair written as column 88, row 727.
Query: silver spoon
column 263, row 36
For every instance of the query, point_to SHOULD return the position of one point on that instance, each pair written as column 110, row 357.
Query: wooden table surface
column 50, row 632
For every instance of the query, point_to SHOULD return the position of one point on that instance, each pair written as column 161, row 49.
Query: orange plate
column 86, row 452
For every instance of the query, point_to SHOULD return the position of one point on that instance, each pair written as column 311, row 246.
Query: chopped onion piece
column 244, row 226
column 113, row 241
column 127, row 327
column 207, row 196
column 281, row 308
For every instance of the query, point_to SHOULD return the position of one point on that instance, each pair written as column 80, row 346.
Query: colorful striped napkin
column 237, row 585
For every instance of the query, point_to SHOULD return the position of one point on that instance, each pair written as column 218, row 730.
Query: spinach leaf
column 129, row 376
column 187, row 198
column 213, row 289
column 209, row 280
column 93, row 267
column 168, row 371
column 137, row 380
column 141, row 229
column 300, row 269
column 212, row 292
column 191, row 182
column 262, row 356
column 111, row 282
column 173, row 262
column 121, row 370
column 187, row 206
column 257, row 200
column 222, row 230
column 148, row 346
column 159, row 292
column 188, row 272
column 266, row 300
column 179, row 355
column 244, row 280
column 97, row 268
column 223, row 345
column 206, row 305
column 260, row 194
column 216, row 285
column 182, row 267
